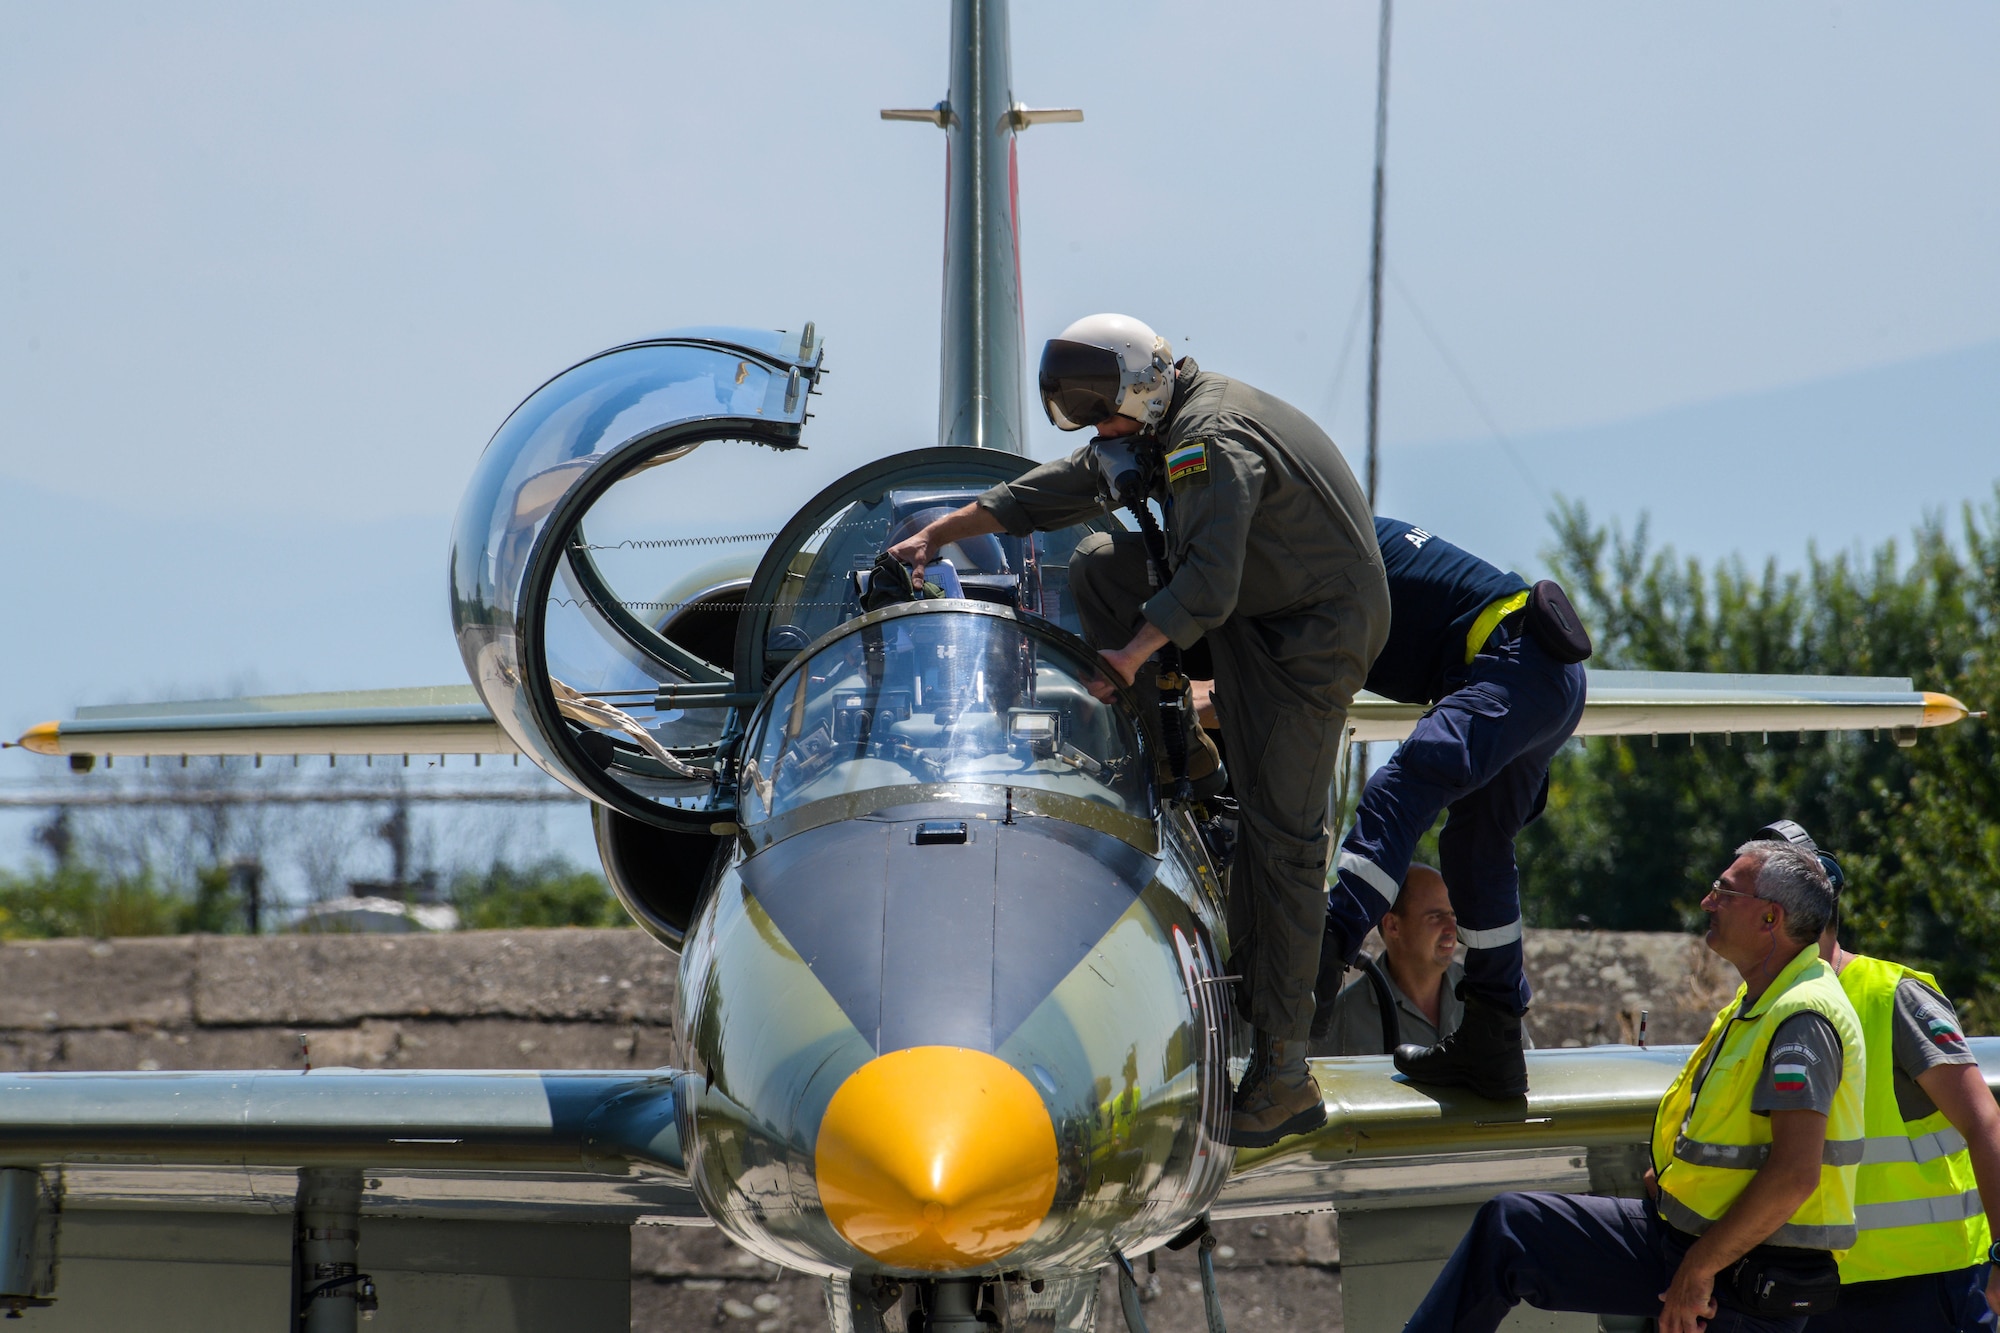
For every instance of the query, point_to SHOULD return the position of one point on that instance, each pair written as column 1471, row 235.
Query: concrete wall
column 557, row 999
column 604, row 999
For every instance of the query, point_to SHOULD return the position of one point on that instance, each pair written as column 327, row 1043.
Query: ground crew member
column 1506, row 690
column 1755, row 1149
column 1274, row 564
column 1418, row 973
column 1922, row 1258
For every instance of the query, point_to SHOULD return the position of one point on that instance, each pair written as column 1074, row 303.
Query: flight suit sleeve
column 1214, row 496
column 1054, row 495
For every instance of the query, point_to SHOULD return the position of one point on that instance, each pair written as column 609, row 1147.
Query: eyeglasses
column 1716, row 887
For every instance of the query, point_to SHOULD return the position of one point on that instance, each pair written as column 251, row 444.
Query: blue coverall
column 1482, row 752
column 1566, row 1252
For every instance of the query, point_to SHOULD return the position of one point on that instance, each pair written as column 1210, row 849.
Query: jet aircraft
column 950, row 961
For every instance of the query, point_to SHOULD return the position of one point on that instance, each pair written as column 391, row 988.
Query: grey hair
column 1793, row 878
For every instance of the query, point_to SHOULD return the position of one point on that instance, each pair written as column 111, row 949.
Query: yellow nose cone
column 936, row 1158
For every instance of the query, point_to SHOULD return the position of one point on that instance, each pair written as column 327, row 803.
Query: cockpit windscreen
column 945, row 695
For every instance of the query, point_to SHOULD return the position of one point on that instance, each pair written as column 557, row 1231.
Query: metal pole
column 332, row 1289
column 1375, row 260
column 1358, row 753
column 20, row 1214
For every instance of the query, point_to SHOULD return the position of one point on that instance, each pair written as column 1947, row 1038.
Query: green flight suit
column 1275, row 563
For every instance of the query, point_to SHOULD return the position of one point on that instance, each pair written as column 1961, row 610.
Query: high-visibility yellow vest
column 1916, row 1204
column 1708, row 1143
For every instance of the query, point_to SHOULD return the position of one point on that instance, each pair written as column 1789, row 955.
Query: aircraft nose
column 936, row 1158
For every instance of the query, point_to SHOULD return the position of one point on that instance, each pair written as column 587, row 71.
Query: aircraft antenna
column 1375, row 254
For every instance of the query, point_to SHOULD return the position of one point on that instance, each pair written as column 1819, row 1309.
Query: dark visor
column 1081, row 384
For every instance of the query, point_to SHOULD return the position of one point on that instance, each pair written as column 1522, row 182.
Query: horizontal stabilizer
column 939, row 115
column 1020, row 117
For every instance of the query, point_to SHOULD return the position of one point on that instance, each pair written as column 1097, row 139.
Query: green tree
column 74, row 900
column 549, row 893
column 1636, row 827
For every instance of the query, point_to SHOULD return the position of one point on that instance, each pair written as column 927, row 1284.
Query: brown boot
column 1205, row 771
column 1278, row 1096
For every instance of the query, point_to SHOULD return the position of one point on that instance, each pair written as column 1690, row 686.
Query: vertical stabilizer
column 981, row 398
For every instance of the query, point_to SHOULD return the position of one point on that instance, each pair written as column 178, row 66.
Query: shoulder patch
column 1188, row 462
column 1942, row 1032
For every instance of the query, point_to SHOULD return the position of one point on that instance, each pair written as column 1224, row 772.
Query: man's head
column 1772, row 901
column 1421, row 931
column 1105, row 370
column 1785, row 830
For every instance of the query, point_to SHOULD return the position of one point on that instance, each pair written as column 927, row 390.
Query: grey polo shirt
column 1357, row 1021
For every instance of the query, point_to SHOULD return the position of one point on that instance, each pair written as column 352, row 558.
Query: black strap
column 1385, row 1001
column 1173, row 682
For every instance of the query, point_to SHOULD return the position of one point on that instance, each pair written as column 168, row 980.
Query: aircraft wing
column 553, row 1145
column 1388, row 1143
column 1684, row 703
column 438, row 719
column 451, row 719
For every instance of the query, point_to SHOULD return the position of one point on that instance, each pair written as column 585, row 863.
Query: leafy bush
column 78, row 900
column 1634, row 833
column 551, row 893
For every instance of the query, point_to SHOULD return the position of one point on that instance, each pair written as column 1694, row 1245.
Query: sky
column 270, row 276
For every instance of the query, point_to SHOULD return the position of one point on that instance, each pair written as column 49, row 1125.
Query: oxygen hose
column 1172, row 681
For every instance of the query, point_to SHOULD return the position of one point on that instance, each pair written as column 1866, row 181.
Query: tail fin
column 981, row 398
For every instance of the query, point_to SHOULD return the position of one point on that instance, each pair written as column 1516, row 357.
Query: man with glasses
column 1923, row 1259
column 1755, row 1150
column 1273, row 567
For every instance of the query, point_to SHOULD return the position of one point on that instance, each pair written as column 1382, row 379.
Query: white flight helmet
column 1103, row 366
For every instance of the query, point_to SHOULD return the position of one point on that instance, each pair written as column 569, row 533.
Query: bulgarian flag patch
column 1188, row 461
column 1943, row 1033
column 1788, row 1078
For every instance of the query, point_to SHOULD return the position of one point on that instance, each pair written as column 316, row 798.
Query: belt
column 1489, row 620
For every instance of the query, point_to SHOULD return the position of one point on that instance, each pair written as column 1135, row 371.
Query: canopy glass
column 942, row 692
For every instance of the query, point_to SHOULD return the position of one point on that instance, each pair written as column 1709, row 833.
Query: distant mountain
column 1852, row 459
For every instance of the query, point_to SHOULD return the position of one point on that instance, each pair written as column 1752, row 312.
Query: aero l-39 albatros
column 950, row 972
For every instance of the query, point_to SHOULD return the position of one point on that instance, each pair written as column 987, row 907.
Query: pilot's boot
column 1336, row 955
column 1485, row 1054
column 1205, row 772
column 1277, row 1097
column 1205, row 767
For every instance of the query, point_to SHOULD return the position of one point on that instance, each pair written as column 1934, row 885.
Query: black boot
column 1336, row 955
column 1278, row 1096
column 1485, row 1054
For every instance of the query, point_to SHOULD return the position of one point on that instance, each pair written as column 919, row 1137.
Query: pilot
column 1275, row 568
column 1922, row 1260
column 1505, row 689
column 1755, row 1147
